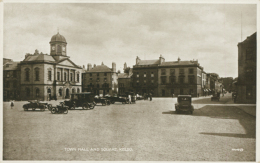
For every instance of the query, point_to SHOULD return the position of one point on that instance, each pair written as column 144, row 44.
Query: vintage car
column 84, row 100
column 101, row 100
column 61, row 108
column 114, row 99
column 35, row 104
column 184, row 104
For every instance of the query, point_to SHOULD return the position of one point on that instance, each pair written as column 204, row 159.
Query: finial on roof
column 102, row 63
column 58, row 29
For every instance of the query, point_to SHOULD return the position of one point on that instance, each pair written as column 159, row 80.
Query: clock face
column 63, row 48
column 53, row 47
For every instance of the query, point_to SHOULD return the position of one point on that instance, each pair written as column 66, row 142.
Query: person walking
column 129, row 97
column 150, row 96
column 12, row 104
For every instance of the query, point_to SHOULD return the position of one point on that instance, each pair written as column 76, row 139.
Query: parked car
column 101, row 100
column 35, row 104
column 184, row 104
column 114, row 99
column 84, row 100
column 61, row 108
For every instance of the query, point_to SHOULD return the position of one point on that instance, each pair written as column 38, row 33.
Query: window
column 7, row 84
column 191, row 91
column 144, row 81
column 37, row 74
column 78, row 90
column 97, row 79
column 90, row 74
column 71, row 76
column 137, row 74
column 191, row 80
column 181, row 79
column 73, row 90
column 152, row 81
column 90, row 79
column 172, row 72
column 97, row 74
column 14, row 84
column 78, row 77
column 14, row 74
column 144, row 74
column 27, row 92
column 97, row 85
column 152, row 75
column 105, row 79
column 163, row 72
column 191, row 71
column 8, row 74
column 163, row 78
column 105, row 74
column 137, row 81
column 249, row 53
column 27, row 74
column 58, row 76
column 60, row 92
column 65, row 76
column 181, row 71
column 173, row 79
column 49, row 75
column 249, row 70
column 59, row 49
column 37, row 92
column 249, row 92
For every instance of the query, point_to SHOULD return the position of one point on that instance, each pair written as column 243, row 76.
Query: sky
column 119, row 32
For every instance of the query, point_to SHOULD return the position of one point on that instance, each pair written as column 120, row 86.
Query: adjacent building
column 246, row 83
column 11, row 80
column 145, row 76
column 100, row 79
column 125, row 85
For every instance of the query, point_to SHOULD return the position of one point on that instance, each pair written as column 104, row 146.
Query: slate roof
column 100, row 68
column 11, row 66
column 123, row 75
column 40, row 57
column 173, row 63
column 148, row 62
column 58, row 38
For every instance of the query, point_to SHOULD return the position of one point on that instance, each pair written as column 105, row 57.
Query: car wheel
column 53, row 110
column 84, row 106
column 103, row 103
column 25, row 108
column 123, row 102
column 112, row 102
column 49, row 107
column 66, row 111
column 92, row 106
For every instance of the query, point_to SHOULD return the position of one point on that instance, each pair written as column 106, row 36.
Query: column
column 62, row 75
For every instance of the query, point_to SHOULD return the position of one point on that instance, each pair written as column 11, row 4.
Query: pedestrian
column 129, row 97
column 12, row 104
column 172, row 95
column 150, row 96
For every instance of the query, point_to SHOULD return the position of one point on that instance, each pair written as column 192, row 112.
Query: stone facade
column 46, row 77
column 100, row 80
column 246, row 84
column 125, row 85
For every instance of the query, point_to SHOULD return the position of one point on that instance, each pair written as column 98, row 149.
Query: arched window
column 73, row 90
column 37, row 92
column 59, row 49
column 37, row 74
column 27, row 74
column 27, row 92
column 60, row 92
column 78, row 90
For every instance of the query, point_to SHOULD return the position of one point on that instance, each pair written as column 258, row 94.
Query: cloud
column 120, row 32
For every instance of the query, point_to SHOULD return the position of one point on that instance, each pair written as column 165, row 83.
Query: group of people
column 146, row 96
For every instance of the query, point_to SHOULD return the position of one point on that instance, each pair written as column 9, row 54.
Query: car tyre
column 66, row 111
column 25, row 108
column 53, row 110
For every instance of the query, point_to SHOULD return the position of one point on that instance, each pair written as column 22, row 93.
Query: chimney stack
column 94, row 65
column 179, row 59
column 89, row 67
column 113, row 66
column 125, row 66
column 137, row 60
column 161, row 59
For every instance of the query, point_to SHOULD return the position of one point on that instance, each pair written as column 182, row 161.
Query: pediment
column 67, row 63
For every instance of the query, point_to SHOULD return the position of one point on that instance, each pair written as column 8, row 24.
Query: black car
column 61, row 108
column 101, row 100
column 84, row 100
column 35, row 104
column 114, row 99
column 184, row 104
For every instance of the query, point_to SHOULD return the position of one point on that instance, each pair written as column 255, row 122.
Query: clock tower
column 58, row 45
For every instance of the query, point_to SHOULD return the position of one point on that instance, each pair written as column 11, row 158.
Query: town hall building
column 53, row 76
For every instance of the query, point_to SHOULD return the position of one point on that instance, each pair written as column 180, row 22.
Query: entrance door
column 49, row 94
column 67, row 93
column 163, row 92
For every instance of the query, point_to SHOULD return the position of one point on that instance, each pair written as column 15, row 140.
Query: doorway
column 67, row 93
